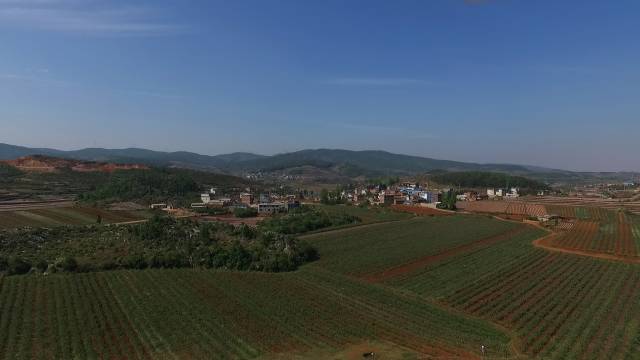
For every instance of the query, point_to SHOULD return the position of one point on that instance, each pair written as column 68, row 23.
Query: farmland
column 199, row 314
column 618, row 236
column 370, row 249
column 557, row 305
column 435, row 286
column 56, row 216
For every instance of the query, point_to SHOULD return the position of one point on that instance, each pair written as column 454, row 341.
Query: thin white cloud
column 89, row 17
column 10, row 76
column 154, row 94
column 375, row 81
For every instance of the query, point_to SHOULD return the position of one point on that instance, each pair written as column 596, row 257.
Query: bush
column 135, row 261
column 67, row 264
column 42, row 265
column 4, row 263
column 18, row 266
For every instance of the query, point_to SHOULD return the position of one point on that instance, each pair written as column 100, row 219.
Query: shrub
column 42, row 265
column 135, row 261
column 66, row 263
column 17, row 266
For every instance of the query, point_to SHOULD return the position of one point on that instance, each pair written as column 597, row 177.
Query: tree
column 66, row 263
column 448, row 200
column 42, row 265
column 324, row 196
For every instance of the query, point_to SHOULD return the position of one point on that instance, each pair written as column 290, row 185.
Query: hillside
column 332, row 165
column 368, row 162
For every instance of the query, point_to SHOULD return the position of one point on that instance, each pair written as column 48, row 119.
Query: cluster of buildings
column 629, row 188
column 264, row 203
column 503, row 193
column 403, row 194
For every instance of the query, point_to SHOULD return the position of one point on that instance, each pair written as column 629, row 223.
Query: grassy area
column 66, row 216
column 369, row 249
column 209, row 314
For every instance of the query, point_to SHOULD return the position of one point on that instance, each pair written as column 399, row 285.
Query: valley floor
column 434, row 287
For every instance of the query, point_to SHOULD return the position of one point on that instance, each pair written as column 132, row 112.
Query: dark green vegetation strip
column 208, row 314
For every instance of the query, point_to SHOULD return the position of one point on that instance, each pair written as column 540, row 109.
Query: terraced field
column 66, row 216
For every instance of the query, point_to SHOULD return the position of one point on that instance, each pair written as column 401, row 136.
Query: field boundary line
column 353, row 227
column 544, row 243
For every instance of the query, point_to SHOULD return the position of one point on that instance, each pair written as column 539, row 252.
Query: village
column 405, row 193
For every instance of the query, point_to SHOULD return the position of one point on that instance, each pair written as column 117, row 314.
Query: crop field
column 438, row 279
column 617, row 237
column 559, row 306
column 66, row 216
column 371, row 249
column 434, row 287
column 582, row 213
column 632, row 205
column 202, row 314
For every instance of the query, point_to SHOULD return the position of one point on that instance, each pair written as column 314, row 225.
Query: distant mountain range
column 343, row 163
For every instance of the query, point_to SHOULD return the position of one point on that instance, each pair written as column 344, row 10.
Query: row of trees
column 481, row 179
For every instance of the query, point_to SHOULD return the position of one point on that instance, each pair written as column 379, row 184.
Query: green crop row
column 214, row 314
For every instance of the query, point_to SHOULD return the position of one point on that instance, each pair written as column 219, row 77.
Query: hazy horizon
column 538, row 83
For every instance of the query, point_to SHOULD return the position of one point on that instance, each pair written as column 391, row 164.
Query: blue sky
column 552, row 83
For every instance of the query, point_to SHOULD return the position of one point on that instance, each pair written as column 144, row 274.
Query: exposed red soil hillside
column 39, row 163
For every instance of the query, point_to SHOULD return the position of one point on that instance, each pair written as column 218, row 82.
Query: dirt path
column 545, row 243
column 144, row 220
column 421, row 263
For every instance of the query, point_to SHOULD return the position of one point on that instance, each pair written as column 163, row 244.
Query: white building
column 271, row 208
column 513, row 193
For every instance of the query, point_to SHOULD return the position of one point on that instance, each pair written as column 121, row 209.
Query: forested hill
column 348, row 162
